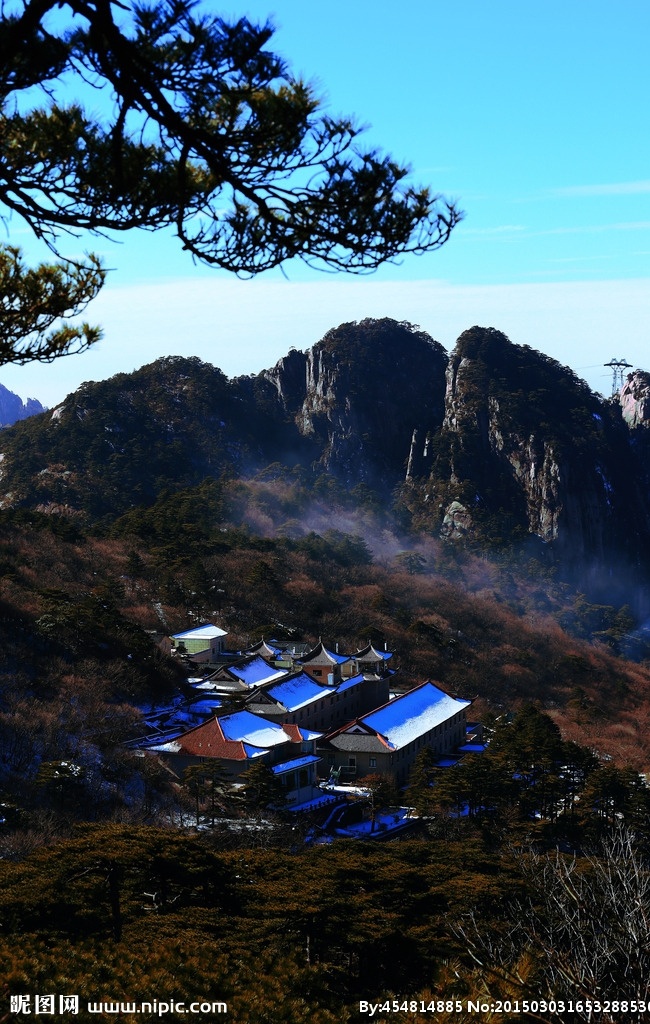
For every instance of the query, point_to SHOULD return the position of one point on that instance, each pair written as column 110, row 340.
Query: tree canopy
column 36, row 302
column 191, row 122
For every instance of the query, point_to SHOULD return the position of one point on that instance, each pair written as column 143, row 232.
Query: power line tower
column 618, row 368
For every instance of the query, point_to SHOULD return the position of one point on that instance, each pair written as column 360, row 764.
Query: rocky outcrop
column 495, row 443
column 13, row 409
column 635, row 399
column 526, row 448
column 359, row 394
column 456, row 522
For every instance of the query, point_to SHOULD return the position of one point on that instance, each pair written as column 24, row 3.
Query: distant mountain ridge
column 494, row 443
column 13, row 409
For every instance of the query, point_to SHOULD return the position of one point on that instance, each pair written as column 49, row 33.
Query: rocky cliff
column 635, row 399
column 495, row 443
column 359, row 394
column 525, row 448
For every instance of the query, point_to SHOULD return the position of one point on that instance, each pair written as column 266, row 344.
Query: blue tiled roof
column 255, row 672
column 309, row 734
column 254, row 751
column 413, row 714
column 299, row 762
column 314, row 654
column 296, row 692
column 346, row 684
column 340, row 658
column 252, row 729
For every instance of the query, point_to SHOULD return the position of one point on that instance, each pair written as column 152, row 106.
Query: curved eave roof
column 371, row 653
column 320, row 654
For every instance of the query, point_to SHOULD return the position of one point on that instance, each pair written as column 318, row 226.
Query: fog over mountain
column 493, row 444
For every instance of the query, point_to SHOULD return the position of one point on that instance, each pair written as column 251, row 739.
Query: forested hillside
column 493, row 446
column 81, row 615
column 286, row 506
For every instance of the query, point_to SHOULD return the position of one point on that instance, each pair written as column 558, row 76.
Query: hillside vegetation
column 276, row 507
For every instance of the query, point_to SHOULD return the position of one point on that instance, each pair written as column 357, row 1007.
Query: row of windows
column 323, row 704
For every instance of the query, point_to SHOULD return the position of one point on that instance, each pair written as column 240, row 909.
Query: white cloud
column 586, row 229
column 619, row 188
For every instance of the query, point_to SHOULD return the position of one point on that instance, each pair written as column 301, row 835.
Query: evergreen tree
column 261, row 787
column 419, row 792
column 203, row 129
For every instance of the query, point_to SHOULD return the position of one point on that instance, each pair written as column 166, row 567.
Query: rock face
column 493, row 444
column 525, row 448
column 12, row 407
column 635, row 399
column 360, row 393
column 347, row 407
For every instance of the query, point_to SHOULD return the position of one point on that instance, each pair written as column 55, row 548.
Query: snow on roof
column 297, row 691
column 309, row 734
column 322, row 800
column 172, row 747
column 319, row 655
column 207, row 632
column 413, row 714
column 347, row 790
column 298, row 762
column 345, row 684
column 253, row 751
column 256, row 672
column 252, row 729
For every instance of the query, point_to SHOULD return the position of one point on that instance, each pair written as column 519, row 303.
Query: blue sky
column 533, row 115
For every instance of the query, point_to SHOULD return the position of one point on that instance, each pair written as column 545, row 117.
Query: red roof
column 293, row 731
column 208, row 740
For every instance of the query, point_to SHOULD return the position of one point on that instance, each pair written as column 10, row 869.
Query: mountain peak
column 12, row 407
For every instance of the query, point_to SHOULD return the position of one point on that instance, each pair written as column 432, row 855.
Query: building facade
column 389, row 739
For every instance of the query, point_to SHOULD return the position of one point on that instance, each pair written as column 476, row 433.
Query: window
column 372, row 762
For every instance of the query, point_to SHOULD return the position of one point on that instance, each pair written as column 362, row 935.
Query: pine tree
column 203, row 129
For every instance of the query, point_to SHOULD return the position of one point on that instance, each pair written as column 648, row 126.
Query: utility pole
column 618, row 368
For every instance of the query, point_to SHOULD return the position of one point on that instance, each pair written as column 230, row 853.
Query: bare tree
column 584, row 935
